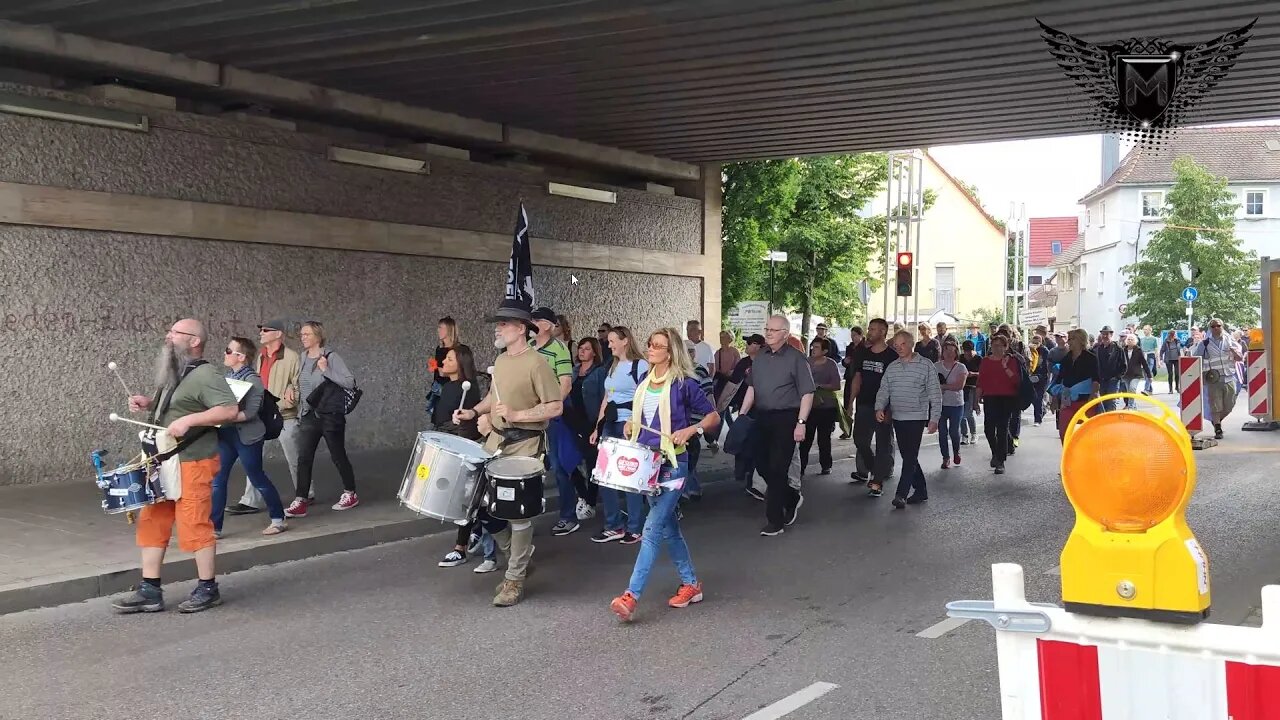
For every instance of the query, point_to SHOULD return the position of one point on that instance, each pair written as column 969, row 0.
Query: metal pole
column 910, row 228
column 917, row 212
column 888, row 234
column 1190, row 315
column 771, row 264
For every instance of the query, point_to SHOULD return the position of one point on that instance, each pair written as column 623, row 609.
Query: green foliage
column 809, row 208
column 985, row 316
column 1227, row 272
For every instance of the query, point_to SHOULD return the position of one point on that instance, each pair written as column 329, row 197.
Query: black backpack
column 269, row 414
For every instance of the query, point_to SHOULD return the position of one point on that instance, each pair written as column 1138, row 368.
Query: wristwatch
column 800, row 422
column 700, row 430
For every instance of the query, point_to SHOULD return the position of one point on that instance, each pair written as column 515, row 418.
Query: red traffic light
column 904, row 259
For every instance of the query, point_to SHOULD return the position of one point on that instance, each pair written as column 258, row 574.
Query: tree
column 972, row 191
column 1199, row 230
column 809, row 208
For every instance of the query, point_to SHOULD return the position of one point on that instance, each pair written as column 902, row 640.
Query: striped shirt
column 910, row 390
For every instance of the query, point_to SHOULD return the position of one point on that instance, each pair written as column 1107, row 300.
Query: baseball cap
column 755, row 339
column 274, row 324
column 544, row 313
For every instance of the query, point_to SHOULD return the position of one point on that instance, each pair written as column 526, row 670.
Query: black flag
column 520, row 269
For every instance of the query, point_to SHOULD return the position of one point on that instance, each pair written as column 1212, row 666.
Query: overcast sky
column 1048, row 175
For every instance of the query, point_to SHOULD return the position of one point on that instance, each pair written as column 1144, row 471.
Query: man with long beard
column 193, row 397
column 525, row 395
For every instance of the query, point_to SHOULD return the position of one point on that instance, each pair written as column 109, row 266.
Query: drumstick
column 466, row 387
column 116, row 369
column 116, row 418
column 493, row 385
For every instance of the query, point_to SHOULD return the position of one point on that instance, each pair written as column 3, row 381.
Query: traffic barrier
column 1191, row 403
column 1258, row 383
column 1057, row 665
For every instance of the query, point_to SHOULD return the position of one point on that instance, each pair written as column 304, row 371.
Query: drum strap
column 160, row 405
column 515, row 435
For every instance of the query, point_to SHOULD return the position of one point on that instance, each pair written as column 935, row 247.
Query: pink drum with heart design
column 627, row 466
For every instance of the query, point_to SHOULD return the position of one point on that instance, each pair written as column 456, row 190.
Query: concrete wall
column 77, row 295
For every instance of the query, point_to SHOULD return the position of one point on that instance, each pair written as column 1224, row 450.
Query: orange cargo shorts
column 190, row 512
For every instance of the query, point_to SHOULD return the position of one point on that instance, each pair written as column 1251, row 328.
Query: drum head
column 514, row 466
column 459, row 446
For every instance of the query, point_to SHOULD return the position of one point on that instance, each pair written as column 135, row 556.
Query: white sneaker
column 584, row 511
column 487, row 566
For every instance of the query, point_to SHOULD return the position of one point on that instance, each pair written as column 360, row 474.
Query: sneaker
column 624, row 606
column 488, row 566
column 202, row 598
column 1217, row 431
column 1016, row 442
column 857, row 478
column 473, row 543
column 147, row 598
column 631, row 539
column 956, row 459
column 916, row 499
column 899, row 503
column 607, row 535
column 565, row 527
column 756, row 494
column 453, row 559
column 995, row 463
column 771, row 531
column 686, row 595
column 217, row 534
column 511, row 593
column 583, row 510
column 1035, row 424
column 999, row 469
column 347, row 501
column 296, row 509
column 875, row 492
column 946, row 464
column 242, row 509
column 795, row 511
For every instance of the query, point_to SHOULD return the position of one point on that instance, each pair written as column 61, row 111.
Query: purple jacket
column 684, row 396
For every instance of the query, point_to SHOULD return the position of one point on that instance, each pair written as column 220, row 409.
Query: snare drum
column 627, row 466
column 130, row 487
column 442, row 476
column 515, row 487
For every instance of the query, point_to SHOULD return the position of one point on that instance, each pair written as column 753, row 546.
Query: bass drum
column 442, row 477
column 515, row 488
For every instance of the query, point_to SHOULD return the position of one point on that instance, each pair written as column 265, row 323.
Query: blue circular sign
column 1190, row 294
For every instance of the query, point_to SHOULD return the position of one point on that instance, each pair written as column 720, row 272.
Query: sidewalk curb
column 111, row 581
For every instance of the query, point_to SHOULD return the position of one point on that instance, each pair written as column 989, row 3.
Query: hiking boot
column 510, row 593
column 685, row 595
column 202, row 598
column 147, row 598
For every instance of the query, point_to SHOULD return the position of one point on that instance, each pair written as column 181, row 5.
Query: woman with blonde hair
column 668, row 395
column 625, row 371
column 322, row 382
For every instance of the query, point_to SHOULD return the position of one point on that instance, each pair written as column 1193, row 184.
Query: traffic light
column 905, row 274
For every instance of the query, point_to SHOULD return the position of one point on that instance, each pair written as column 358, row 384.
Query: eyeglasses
column 179, row 332
column 769, row 329
column 229, row 351
column 262, row 331
column 1215, row 326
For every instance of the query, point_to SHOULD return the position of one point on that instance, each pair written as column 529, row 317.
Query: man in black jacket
column 1110, row 366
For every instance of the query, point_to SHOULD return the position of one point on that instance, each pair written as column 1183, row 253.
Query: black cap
column 511, row 310
column 755, row 340
column 277, row 324
column 544, row 313
column 1106, row 328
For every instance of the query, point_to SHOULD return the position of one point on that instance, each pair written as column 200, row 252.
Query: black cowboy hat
column 511, row 310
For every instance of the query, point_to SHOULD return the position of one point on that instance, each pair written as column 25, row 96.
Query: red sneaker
column 685, row 595
column 956, row 460
column 624, row 606
column 296, row 509
column 347, row 501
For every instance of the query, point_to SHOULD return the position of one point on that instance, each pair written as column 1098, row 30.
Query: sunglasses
column 229, row 351
column 653, row 346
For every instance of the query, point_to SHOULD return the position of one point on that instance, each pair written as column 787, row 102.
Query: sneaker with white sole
column 607, row 535
column 347, row 501
column 296, row 509
column 584, row 511
column 564, row 527
column 487, row 566
column 453, row 559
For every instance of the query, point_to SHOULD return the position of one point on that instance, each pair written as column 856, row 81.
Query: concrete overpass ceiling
column 695, row 80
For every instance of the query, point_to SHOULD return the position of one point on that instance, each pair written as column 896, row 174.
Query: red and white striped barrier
column 1056, row 665
column 1259, row 384
column 1191, row 402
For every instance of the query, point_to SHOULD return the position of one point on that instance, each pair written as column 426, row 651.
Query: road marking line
column 792, row 702
column 934, row 632
column 1055, row 570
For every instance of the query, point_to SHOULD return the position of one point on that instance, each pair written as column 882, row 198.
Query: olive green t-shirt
column 522, row 381
column 203, row 388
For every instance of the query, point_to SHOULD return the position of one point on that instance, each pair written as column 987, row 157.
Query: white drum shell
column 609, row 471
column 442, row 475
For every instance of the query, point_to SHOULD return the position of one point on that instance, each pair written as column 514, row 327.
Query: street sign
column 1033, row 316
column 1190, row 294
column 749, row 317
column 1190, row 311
column 776, row 256
column 1124, row 308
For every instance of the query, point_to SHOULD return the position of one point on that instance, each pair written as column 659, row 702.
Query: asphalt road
column 839, row 599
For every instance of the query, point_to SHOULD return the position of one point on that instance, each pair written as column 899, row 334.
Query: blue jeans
column 564, row 481
column 1130, row 386
column 949, row 427
column 1108, row 387
column 968, row 424
column 662, row 529
column 1151, row 365
column 231, row 449
column 609, row 499
column 693, row 450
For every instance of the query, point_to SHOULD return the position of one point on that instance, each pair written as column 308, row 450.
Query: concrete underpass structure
column 158, row 162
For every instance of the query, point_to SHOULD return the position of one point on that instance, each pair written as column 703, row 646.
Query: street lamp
column 774, row 257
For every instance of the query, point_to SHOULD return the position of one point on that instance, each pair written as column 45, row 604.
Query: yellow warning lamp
column 1255, row 339
column 1130, row 474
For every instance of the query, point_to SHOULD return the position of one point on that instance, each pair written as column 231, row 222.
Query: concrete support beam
column 710, row 191
column 566, row 149
column 133, row 96
column 278, row 92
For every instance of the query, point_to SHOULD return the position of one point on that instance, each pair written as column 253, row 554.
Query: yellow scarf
column 1035, row 359
column 664, row 414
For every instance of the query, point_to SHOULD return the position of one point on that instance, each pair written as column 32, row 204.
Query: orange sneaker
column 685, row 595
column 624, row 606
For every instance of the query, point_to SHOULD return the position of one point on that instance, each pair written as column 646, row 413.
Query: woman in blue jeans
column 660, row 417
column 243, row 441
column 953, row 376
column 625, row 371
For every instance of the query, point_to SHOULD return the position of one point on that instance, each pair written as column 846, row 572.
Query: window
column 1035, row 280
column 1255, row 203
column 1102, row 280
column 1084, row 275
column 1055, row 247
column 1102, row 222
column 1152, row 203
